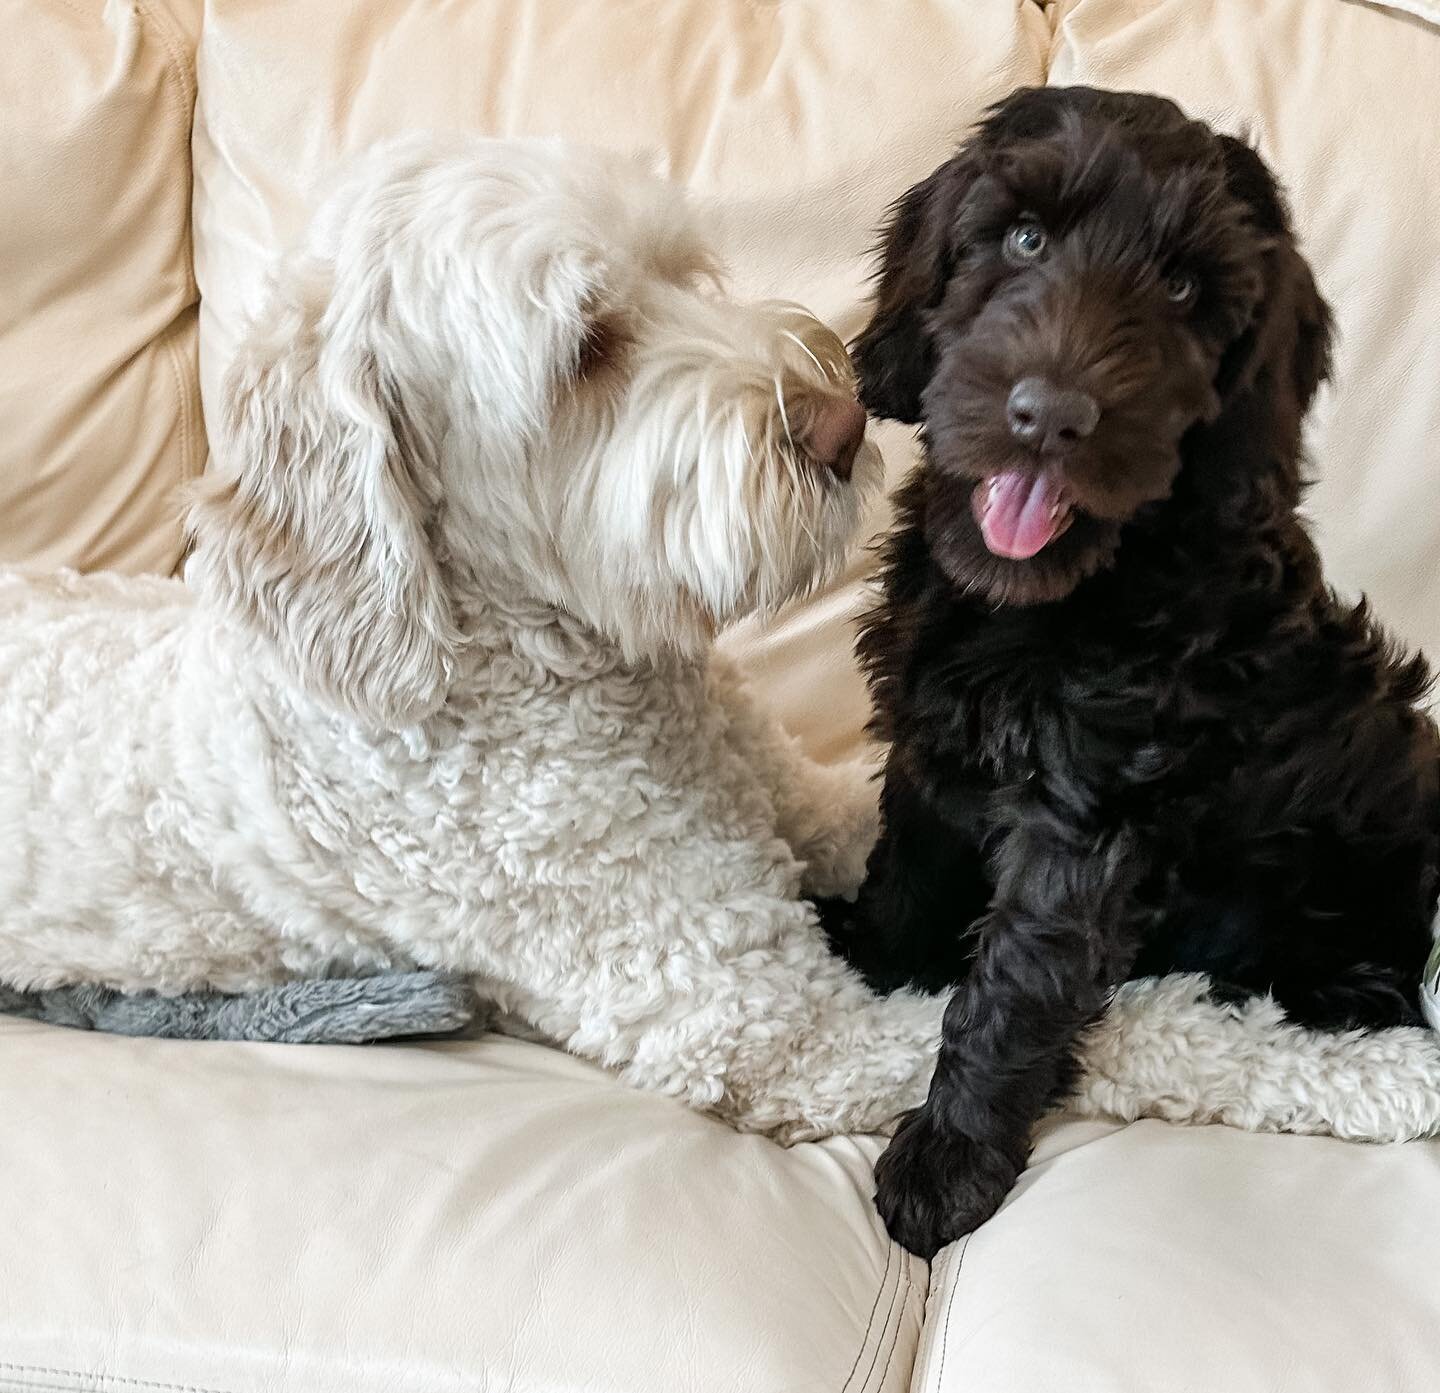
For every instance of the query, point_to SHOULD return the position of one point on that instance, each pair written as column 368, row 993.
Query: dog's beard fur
column 1130, row 463
column 508, row 369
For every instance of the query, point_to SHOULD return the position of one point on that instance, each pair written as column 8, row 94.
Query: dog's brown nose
column 834, row 434
column 1048, row 417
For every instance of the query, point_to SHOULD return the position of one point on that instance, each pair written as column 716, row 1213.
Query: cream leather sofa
column 496, row 1216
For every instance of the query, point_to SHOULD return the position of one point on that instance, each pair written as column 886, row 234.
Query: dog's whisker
column 806, row 350
column 784, row 415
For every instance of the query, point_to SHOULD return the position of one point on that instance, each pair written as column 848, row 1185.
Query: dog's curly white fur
column 499, row 459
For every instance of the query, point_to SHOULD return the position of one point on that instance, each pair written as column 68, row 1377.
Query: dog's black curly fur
column 1161, row 743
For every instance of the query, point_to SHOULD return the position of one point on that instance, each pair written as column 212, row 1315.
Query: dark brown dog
column 1131, row 731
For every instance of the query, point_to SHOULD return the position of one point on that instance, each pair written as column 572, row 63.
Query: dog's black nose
column 1049, row 417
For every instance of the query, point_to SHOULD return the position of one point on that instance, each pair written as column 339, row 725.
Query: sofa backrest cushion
column 98, row 397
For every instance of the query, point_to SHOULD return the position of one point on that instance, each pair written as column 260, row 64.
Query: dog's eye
column 1182, row 287
column 602, row 341
column 1026, row 242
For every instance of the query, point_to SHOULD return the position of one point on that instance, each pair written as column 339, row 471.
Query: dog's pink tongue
column 1019, row 513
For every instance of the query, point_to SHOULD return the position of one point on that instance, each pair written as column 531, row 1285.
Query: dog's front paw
column 933, row 1186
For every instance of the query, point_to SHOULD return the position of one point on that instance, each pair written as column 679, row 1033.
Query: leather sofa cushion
column 421, row 1219
column 98, row 393
column 1159, row 1259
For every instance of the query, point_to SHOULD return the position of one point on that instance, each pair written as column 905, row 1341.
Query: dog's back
column 107, row 727
column 68, row 640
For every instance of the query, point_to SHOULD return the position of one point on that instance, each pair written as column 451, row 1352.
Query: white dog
column 499, row 459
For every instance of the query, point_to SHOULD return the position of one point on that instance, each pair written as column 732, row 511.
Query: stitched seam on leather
column 925, row 1356
column 16, row 1385
column 903, row 1288
column 880, row 1337
column 177, row 66
column 179, row 73
column 940, row 1270
column 174, row 45
column 93, row 1377
column 185, row 400
column 870, row 1319
column 950, row 1306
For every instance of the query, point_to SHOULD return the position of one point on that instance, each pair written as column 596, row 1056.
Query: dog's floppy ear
column 895, row 355
column 313, row 533
column 1290, row 338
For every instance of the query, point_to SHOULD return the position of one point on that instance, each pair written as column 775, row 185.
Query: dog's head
column 1089, row 284
column 506, row 373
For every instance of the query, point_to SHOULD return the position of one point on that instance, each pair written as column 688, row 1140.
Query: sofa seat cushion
column 1160, row 1259
column 796, row 122
column 417, row 1219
